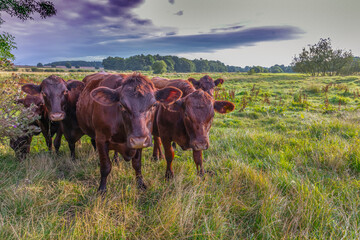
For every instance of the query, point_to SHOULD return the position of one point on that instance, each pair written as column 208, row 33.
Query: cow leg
column 169, row 155
column 116, row 157
column 57, row 140
column 72, row 149
column 157, row 153
column 105, row 164
column 48, row 140
column 93, row 143
column 198, row 159
column 136, row 163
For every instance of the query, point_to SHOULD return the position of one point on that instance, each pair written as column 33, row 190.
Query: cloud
column 179, row 13
column 95, row 28
column 226, row 29
column 168, row 44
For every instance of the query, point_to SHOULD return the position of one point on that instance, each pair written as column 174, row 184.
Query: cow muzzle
column 199, row 145
column 139, row 142
column 58, row 116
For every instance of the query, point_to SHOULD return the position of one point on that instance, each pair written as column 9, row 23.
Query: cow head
column 55, row 92
column 197, row 111
column 206, row 83
column 137, row 99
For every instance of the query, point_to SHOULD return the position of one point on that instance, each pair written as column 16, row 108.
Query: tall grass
column 291, row 174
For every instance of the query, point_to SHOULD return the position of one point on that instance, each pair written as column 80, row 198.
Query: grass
column 285, row 169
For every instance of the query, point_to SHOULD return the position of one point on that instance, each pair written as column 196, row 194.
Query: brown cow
column 187, row 123
column 105, row 75
column 21, row 145
column 206, row 83
column 160, row 82
column 60, row 99
column 121, row 118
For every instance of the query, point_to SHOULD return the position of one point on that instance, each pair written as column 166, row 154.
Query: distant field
column 286, row 164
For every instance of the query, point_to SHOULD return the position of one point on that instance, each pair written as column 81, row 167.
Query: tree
column 159, row 67
column 276, row 69
column 53, row 65
column 68, row 65
column 320, row 58
column 22, row 9
column 39, row 65
column 7, row 44
column 77, row 66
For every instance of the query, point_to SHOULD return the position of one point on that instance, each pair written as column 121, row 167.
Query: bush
column 14, row 118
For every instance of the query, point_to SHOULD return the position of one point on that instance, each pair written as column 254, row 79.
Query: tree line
column 74, row 63
column 160, row 64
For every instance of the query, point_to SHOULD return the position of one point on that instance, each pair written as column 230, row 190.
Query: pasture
column 285, row 164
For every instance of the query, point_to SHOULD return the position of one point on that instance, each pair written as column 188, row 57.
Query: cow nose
column 58, row 116
column 200, row 145
column 139, row 142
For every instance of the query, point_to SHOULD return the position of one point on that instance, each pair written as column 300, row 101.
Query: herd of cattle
column 122, row 113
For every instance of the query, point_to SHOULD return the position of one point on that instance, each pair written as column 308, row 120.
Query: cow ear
column 74, row 84
column 177, row 106
column 168, row 95
column 31, row 89
column 223, row 106
column 219, row 81
column 105, row 96
column 194, row 82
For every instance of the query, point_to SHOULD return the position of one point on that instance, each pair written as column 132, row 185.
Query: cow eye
column 66, row 92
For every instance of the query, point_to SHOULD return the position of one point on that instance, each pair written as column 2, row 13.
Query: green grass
column 287, row 169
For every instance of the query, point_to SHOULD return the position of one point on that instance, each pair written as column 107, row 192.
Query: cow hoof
column 101, row 192
column 169, row 175
column 141, row 186
column 155, row 158
column 210, row 173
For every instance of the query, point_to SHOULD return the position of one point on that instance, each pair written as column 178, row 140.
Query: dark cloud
column 170, row 44
column 226, row 29
column 179, row 13
column 170, row 33
column 172, row 1
column 100, row 28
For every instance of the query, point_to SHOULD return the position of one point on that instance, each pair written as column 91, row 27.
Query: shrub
column 14, row 118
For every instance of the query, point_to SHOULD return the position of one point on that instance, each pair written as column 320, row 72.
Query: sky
column 236, row 32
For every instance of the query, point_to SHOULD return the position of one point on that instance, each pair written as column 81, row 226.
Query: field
column 285, row 164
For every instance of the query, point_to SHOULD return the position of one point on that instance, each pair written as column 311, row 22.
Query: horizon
column 236, row 33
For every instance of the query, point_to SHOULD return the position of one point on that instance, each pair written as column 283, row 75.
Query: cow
column 206, row 83
column 160, row 82
column 21, row 144
column 106, row 75
column 119, row 115
column 187, row 123
column 60, row 98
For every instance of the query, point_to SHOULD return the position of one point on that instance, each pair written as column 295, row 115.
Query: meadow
column 285, row 164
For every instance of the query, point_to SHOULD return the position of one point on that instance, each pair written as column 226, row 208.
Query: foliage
column 68, row 65
column 159, row 67
column 39, row 65
column 25, row 9
column 74, row 63
column 320, row 58
column 7, row 44
column 15, row 119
